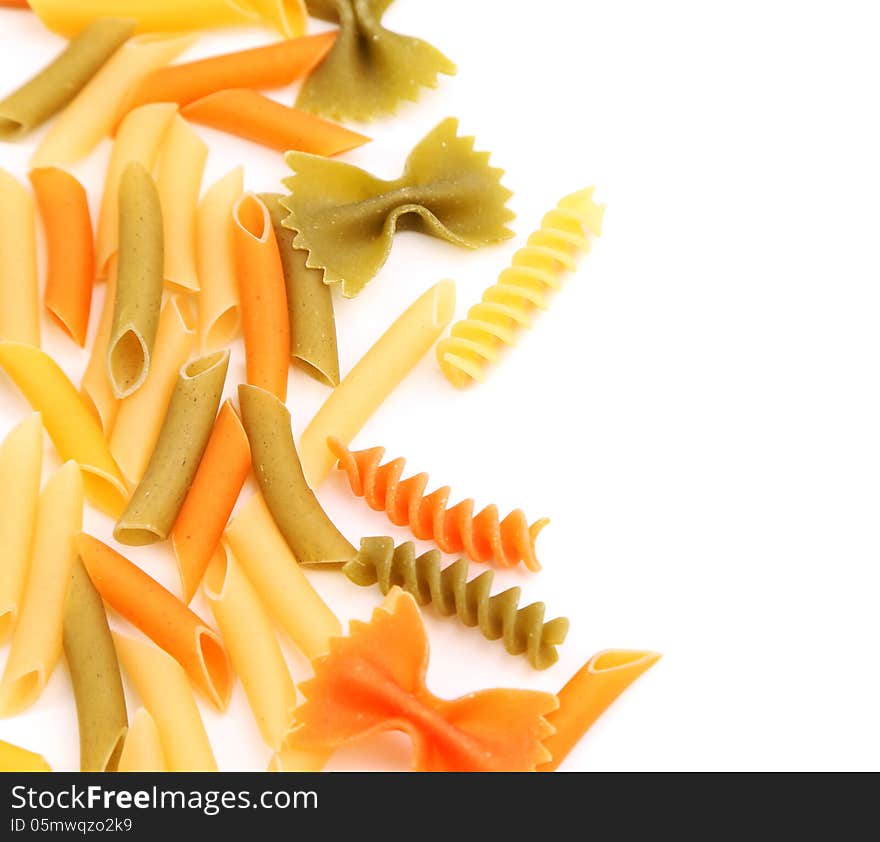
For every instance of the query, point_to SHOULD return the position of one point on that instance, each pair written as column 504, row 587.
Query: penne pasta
column 156, row 501
column 64, row 208
column 138, row 297
column 142, row 751
column 73, row 429
column 58, row 83
column 248, row 114
column 161, row 616
column 166, row 694
column 309, row 533
column 15, row 759
column 93, row 112
column 179, row 181
column 263, row 300
column 19, row 297
column 208, row 505
column 140, row 415
column 21, row 459
column 95, row 387
column 36, row 641
column 219, row 314
column 253, row 648
column 374, row 377
column 94, row 673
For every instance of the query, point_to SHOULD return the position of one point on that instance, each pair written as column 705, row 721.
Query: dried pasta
column 161, row 616
column 363, row 390
column 95, row 386
column 346, row 218
column 483, row 537
column 16, row 759
column 58, row 83
column 499, row 617
column 156, row 501
column 370, row 70
column 19, row 298
column 309, row 533
column 94, row 672
column 142, row 751
column 476, row 341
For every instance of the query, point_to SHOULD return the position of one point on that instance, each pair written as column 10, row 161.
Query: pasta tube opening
column 216, row 666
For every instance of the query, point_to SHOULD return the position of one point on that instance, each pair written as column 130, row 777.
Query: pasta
column 309, row 533
column 483, row 538
column 138, row 295
column 156, row 501
column 219, row 315
column 522, row 630
column 95, row 387
column 589, row 693
column 15, row 759
column 36, row 641
column 15, row 4
column 263, row 300
column 138, row 140
column 140, row 416
column 179, row 182
column 363, row 390
column 161, row 616
column 58, row 83
column 374, row 680
column 521, row 289
column 309, row 304
column 64, row 208
column 19, row 298
column 287, row 16
column 370, row 70
column 94, row 672
column 346, row 218
column 74, row 431
column 253, row 648
column 142, row 751
column 21, row 458
column 93, row 112
column 249, row 114
column 287, row 594
column 211, row 497
column 166, row 694
column 272, row 66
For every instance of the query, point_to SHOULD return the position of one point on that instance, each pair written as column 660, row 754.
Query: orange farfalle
column 483, row 538
column 374, row 680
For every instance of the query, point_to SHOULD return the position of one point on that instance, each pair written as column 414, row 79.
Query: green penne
column 153, row 507
column 94, row 672
column 309, row 304
column 61, row 80
column 305, row 526
column 139, row 281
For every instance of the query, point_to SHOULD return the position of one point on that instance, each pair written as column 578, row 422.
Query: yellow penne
column 219, row 316
column 179, row 181
column 95, row 386
column 374, row 377
column 36, row 642
column 166, row 693
column 19, row 297
column 141, row 414
column 21, row 458
column 139, row 139
column 15, row 759
column 93, row 113
column 142, row 751
column 249, row 637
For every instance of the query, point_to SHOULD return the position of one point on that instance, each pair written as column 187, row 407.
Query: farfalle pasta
column 346, row 218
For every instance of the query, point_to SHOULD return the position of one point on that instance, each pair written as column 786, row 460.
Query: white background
column 697, row 411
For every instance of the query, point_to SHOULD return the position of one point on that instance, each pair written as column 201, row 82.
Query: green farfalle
column 370, row 70
column 346, row 218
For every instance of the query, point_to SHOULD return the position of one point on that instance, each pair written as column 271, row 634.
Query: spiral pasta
column 523, row 630
column 483, row 537
column 475, row 342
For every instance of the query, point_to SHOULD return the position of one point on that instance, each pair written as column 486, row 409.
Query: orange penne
column 272, row 66
column 251, row 115
column 64, row 208
column 161, row 616
column 211, row 497
column 16, row 4
column 264, row 319
column 588, row 694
